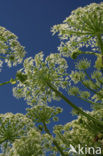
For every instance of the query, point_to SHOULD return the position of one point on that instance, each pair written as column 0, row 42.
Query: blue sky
column 31, row 21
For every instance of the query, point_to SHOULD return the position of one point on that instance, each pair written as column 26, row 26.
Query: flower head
column 10, row 49
column 37, row 73
column 83, row 64
column 12, row 127
column 77, row 76
column 81, row 29
column 30, row 145
column 43, row 113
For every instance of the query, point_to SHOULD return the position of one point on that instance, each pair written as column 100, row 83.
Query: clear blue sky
column 31, row 21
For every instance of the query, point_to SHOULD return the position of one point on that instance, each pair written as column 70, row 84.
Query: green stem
column 54, row 141
column 79, row 33
column 88, row 52
column 99, row 123
column 1, row 84
column 87, row 100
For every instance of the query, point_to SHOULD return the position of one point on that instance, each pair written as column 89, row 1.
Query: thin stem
column 1, row 84
column 79, row 33
column 88, row 52
column 54, row 141
column 87, row 100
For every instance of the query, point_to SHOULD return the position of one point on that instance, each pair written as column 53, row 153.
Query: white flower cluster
column 85, row 94
column 77, row 76
column 34, row 78
column 19, row 136
column 83, row 64
column 43, row 113
column 34, row 144
column 10, row 49
column 97, row 75
column 87, row 85
column 31, row 145
column 83, row 28
column 41, row 79
column 99, row 62
column 80, row 131
column 75, row 91
column 12, row 127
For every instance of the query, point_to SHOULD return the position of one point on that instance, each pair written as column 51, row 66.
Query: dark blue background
column 31, row 21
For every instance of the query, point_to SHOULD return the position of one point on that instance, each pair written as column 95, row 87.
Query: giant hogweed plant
column 45, row 79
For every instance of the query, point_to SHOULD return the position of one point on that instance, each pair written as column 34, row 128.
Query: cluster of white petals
column 83, row 28
column 83, row 64
column 12, row 127
column 42, row 80
column 31, row 145
column 34, row 78
column 34, row 144
column 11, row 52
column 43, row 113
column 80, row 131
